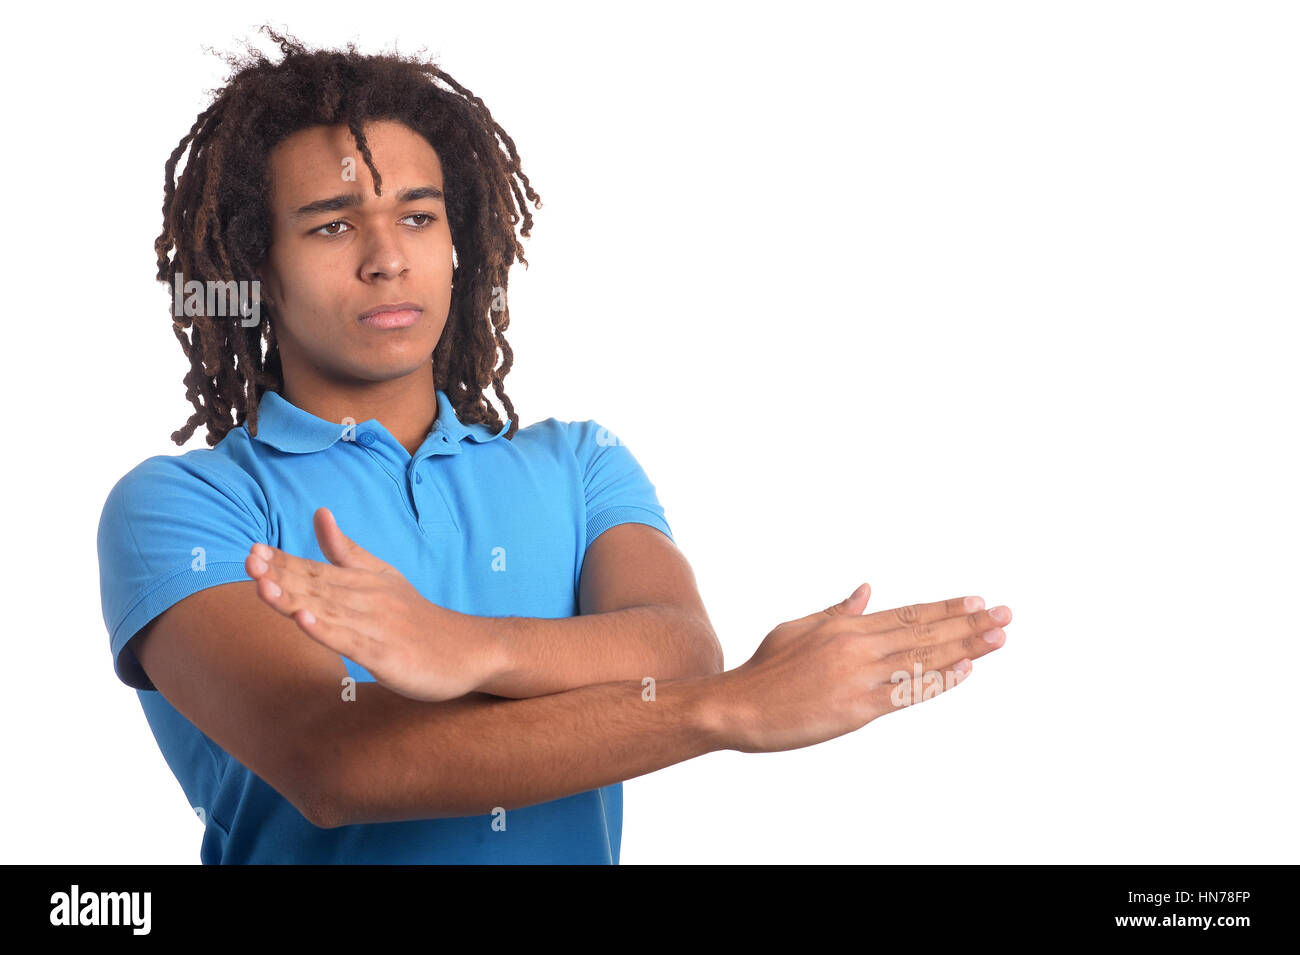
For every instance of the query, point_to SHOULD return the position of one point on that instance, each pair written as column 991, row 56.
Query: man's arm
column 552, row 655
column 641, row 616
column 273, row 699
column 469, row 756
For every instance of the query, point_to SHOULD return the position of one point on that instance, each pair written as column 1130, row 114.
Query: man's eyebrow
column 348, row 200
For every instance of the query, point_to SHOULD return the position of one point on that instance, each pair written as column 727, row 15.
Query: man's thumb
column 853, row 604
column 338, row 548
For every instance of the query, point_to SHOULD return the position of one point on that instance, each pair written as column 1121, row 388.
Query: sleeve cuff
column 173, row 590
column 626, row 514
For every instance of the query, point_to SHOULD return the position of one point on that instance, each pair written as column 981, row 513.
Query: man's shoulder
column 549, row 436
column 187, row 479
column 172, row 525
column 572, row 435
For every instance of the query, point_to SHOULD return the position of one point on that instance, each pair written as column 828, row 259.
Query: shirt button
column 418, row 479
column 366, row 438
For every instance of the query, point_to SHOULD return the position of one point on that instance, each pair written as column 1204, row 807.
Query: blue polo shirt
column 476, row 522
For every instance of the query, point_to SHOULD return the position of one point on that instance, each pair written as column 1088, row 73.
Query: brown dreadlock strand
column 217, row 217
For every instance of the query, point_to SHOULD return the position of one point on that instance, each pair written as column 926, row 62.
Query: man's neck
column 407, row 407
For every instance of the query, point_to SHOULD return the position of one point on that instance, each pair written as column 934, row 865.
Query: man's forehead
column 326, row 157
column 380, row 134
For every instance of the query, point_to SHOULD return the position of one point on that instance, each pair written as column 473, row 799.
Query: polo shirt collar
column 452, row 427
column 287, row 427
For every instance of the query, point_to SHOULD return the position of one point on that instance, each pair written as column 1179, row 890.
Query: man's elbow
column 324, row 815
column 712, row 668
column 320, row 799
column 697, row 651
column 707, row 659
column 714, row 664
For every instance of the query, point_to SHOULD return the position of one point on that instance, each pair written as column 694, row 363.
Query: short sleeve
column 171, row 527
column 616, row 488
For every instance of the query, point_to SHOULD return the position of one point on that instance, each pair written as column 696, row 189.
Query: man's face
column 338, row 252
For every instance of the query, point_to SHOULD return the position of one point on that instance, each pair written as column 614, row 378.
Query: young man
column 508, row 630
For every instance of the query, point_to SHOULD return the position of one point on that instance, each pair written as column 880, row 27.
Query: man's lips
column 396, row 315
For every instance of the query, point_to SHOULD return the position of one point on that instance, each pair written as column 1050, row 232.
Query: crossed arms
column 452, row 725
column 544, row 708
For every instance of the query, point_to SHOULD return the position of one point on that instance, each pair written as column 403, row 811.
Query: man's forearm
column 552, row 655
column 468, row 756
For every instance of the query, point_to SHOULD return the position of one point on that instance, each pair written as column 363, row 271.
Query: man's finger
column 300, row 574
column 969, row 627
column 914, row 615
column 852, row 605
column 338, row 548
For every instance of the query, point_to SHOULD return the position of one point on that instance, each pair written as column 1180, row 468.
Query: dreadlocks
column 217, row 216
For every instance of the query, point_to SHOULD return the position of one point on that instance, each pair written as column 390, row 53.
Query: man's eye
column 327, row 225
column 421, row 215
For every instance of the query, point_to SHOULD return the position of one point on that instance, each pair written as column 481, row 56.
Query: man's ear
column 263, row 287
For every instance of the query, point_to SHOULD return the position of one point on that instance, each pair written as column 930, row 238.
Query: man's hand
column 834, row 671
column 363, row 608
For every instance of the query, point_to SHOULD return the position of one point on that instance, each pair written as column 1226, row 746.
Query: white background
column 953, row 298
